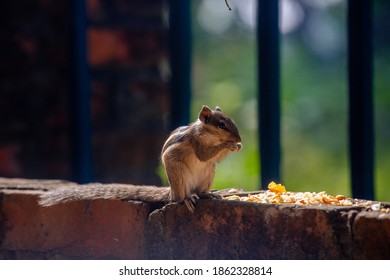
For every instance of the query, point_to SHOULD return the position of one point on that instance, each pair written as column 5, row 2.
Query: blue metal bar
column 268, row 83
column 361, row 128
column 80, row 96
column 180, row 59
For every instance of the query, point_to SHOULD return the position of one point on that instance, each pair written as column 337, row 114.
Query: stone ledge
column 81, row 229
column 114, row 229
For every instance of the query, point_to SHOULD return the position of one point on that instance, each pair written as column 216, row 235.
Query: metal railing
column 360, row 113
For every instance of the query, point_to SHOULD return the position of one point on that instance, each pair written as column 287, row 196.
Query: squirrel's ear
column 204, row 114
column 218, row 109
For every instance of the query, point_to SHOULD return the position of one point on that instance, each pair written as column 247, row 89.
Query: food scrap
column 276, row 188
column 277, row 194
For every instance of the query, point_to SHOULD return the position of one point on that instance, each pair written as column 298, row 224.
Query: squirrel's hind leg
column 210, row 195
column 190, row 202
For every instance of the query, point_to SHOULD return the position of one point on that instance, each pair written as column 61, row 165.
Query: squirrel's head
column 218, row 124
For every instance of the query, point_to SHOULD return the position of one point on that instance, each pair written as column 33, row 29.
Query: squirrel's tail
column 92, row 191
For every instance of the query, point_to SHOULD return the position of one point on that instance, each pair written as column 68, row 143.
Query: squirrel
column 189, row 156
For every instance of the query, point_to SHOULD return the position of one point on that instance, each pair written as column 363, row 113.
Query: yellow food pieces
column 277, row 194
column 276, row 188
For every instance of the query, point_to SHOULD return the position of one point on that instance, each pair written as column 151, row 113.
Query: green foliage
column 314, row 100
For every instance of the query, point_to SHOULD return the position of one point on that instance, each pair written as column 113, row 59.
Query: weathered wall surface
column 127, row 49
column 112, row 229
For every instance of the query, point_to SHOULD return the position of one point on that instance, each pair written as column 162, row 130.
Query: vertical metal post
column 180, row 58
column 361, row 128
column 80, row 96
column 268, row 83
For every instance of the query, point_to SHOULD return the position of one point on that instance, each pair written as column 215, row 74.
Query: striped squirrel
column 189, row 156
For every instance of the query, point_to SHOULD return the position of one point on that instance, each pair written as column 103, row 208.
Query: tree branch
column 227, row 4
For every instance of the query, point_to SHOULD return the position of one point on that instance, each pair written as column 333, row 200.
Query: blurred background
column 127, row 78
column 313, row 89
column 128, row 59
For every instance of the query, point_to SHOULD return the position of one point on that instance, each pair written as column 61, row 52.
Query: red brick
column 371, row 235
column 98, row 229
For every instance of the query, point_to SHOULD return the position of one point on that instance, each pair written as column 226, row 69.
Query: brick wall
column 33, row 89
column 218, row 229
column 127, row 54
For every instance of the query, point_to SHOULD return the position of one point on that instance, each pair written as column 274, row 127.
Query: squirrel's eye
column 221, row 125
